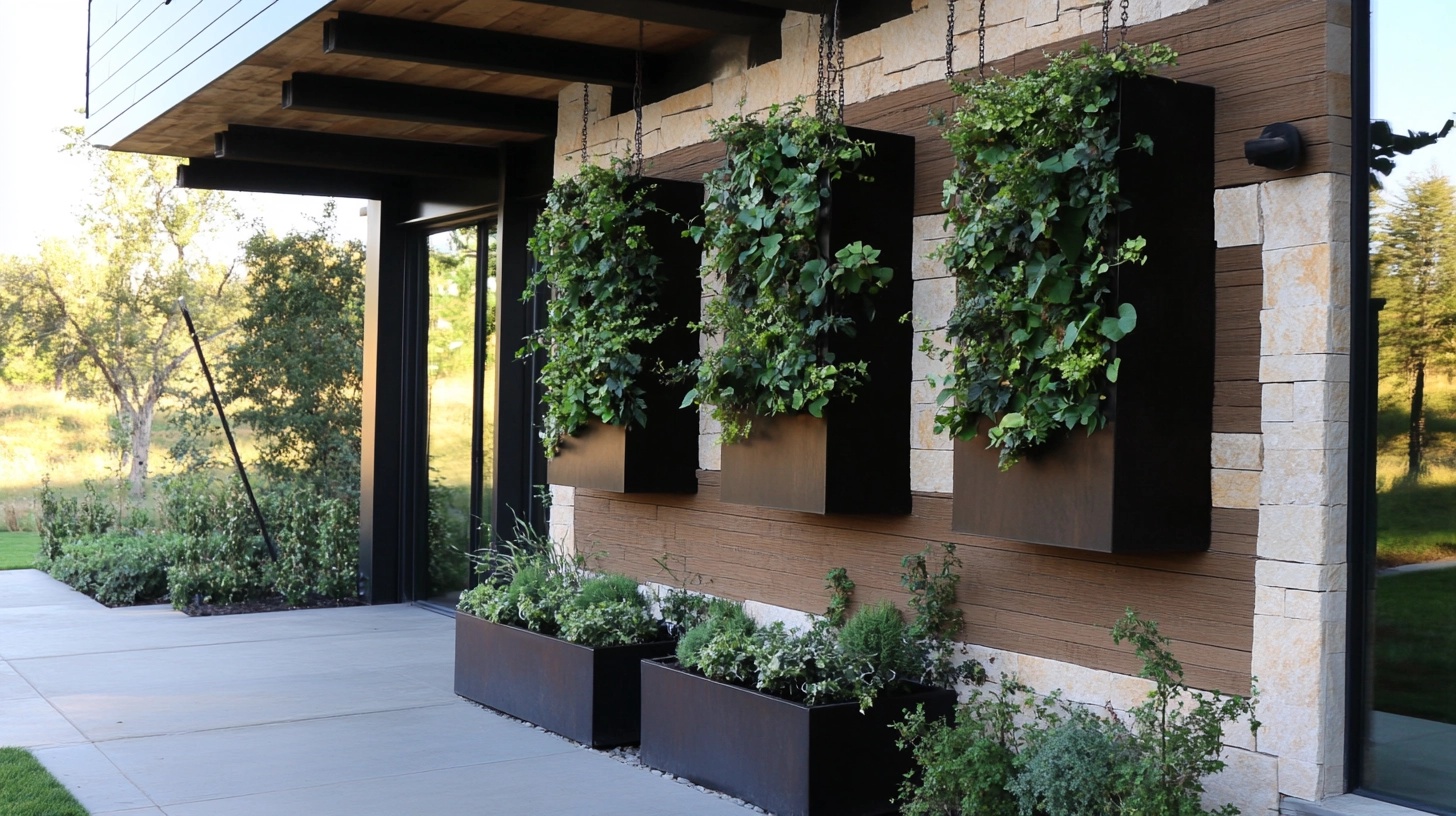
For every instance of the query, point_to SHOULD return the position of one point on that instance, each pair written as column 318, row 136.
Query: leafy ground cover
column 1415, row 644
column 28, row 789
column 17, row 550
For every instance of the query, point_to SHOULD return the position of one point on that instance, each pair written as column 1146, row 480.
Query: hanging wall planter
column 1081, row 354
column 624, row 292
column 808, row 237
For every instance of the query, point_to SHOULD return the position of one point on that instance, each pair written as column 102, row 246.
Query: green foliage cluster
column 784, row 293
column 297, row 362
column 837, row 657
column 604, row 278
column 1009, row 752
column 28, row 789
column 118, row 569
column 1030, row 206
column 532, row 583
column 204, row 545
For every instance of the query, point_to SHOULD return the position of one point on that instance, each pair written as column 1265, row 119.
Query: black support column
column 383, row 476
column 520, row 464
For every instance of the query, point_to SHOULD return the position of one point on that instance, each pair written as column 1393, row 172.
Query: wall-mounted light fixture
column 1277, row 148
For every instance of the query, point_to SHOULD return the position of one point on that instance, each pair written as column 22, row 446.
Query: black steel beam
column 259, row 177
column 359, row 153
column 368, row 35
column 722, row 16
column 807, row 6
column 349, row 96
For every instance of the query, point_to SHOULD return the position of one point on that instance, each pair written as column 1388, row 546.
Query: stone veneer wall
column 1293, row 472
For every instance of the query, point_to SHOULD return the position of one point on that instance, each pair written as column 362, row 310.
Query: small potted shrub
column 1081, row 342
column 544, row 640
column 799, row 721
column 620, row 277
column 806, row 232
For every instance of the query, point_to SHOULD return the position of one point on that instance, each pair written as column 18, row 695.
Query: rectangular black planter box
column 591, row 695
column 1141, row 484
column 787, row 758
column 857, row 458
column 663, row 456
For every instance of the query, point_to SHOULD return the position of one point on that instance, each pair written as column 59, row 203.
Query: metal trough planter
column 788, row 758
column 589, row 694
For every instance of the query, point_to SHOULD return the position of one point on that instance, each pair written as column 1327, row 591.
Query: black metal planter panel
column 591, row 695
column 857, row 458
column 1141, row 484
column 663, row 456
column 787, row 758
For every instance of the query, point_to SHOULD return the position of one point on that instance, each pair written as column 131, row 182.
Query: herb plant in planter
column 1081, row 343
column 807, row 235
column 546, row 641
column 622, row 293
column 798, row 721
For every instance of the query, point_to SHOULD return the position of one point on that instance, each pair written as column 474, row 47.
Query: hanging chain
column 1106, row 19
column 950, row 40
column 638, row 162
column 829, row 93
column 1122, row 32
column 585, row 120
column 981, row 41
column 839, row 64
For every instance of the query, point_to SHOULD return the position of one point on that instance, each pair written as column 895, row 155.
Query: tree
column 298, row 357
column 104, row 310
column 1413, row 266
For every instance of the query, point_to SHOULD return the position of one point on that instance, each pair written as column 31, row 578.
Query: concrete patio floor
column 145, row 711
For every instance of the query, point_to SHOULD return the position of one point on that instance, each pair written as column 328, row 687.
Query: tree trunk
column 1417, row 424
column 141, row 446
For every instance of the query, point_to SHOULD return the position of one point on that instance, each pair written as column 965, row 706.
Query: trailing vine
column 1031, row 208
column 594, row 256
column 783, row 293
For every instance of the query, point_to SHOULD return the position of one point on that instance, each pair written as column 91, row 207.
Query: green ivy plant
column 1031, row 208
column 783, row 293
column 604, row 278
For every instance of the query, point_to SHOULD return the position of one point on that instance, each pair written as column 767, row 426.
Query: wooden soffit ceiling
column 250, row 93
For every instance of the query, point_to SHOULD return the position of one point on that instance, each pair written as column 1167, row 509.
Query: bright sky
column 42, row 88
column 43, row 76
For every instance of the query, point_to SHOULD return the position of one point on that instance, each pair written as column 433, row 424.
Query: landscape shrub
column 118, row 569
column 1011, row 753
column 64, row 519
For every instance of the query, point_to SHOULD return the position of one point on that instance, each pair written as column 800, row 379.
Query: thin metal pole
column 227, row 430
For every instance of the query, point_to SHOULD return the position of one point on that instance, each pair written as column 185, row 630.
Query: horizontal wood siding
column 1025, row 598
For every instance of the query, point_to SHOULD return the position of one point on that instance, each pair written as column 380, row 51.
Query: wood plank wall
column 1266, row 59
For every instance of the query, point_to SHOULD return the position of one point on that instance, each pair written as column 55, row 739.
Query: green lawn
column 1415, row 644
column 17, row 551
column 28, row 789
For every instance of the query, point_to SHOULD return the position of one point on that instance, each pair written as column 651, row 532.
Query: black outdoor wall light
column 1277, row 148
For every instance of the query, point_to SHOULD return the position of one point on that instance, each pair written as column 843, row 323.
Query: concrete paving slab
column 94, row 779
column 235, row 762
column 581, row 783
column 237, row 702
column 146, row 712
column 13, row 686
column 33, row 723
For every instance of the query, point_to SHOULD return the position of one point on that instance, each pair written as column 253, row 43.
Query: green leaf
column 1113, row 368
column 816, row 408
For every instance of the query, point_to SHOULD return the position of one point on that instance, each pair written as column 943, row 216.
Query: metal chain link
column 981, row 41
column 950, row 40
column 829, row 94
column 1106, row 19
column 839, row 64
column 1122, row 33
column 638, row 161
column 585, row 113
